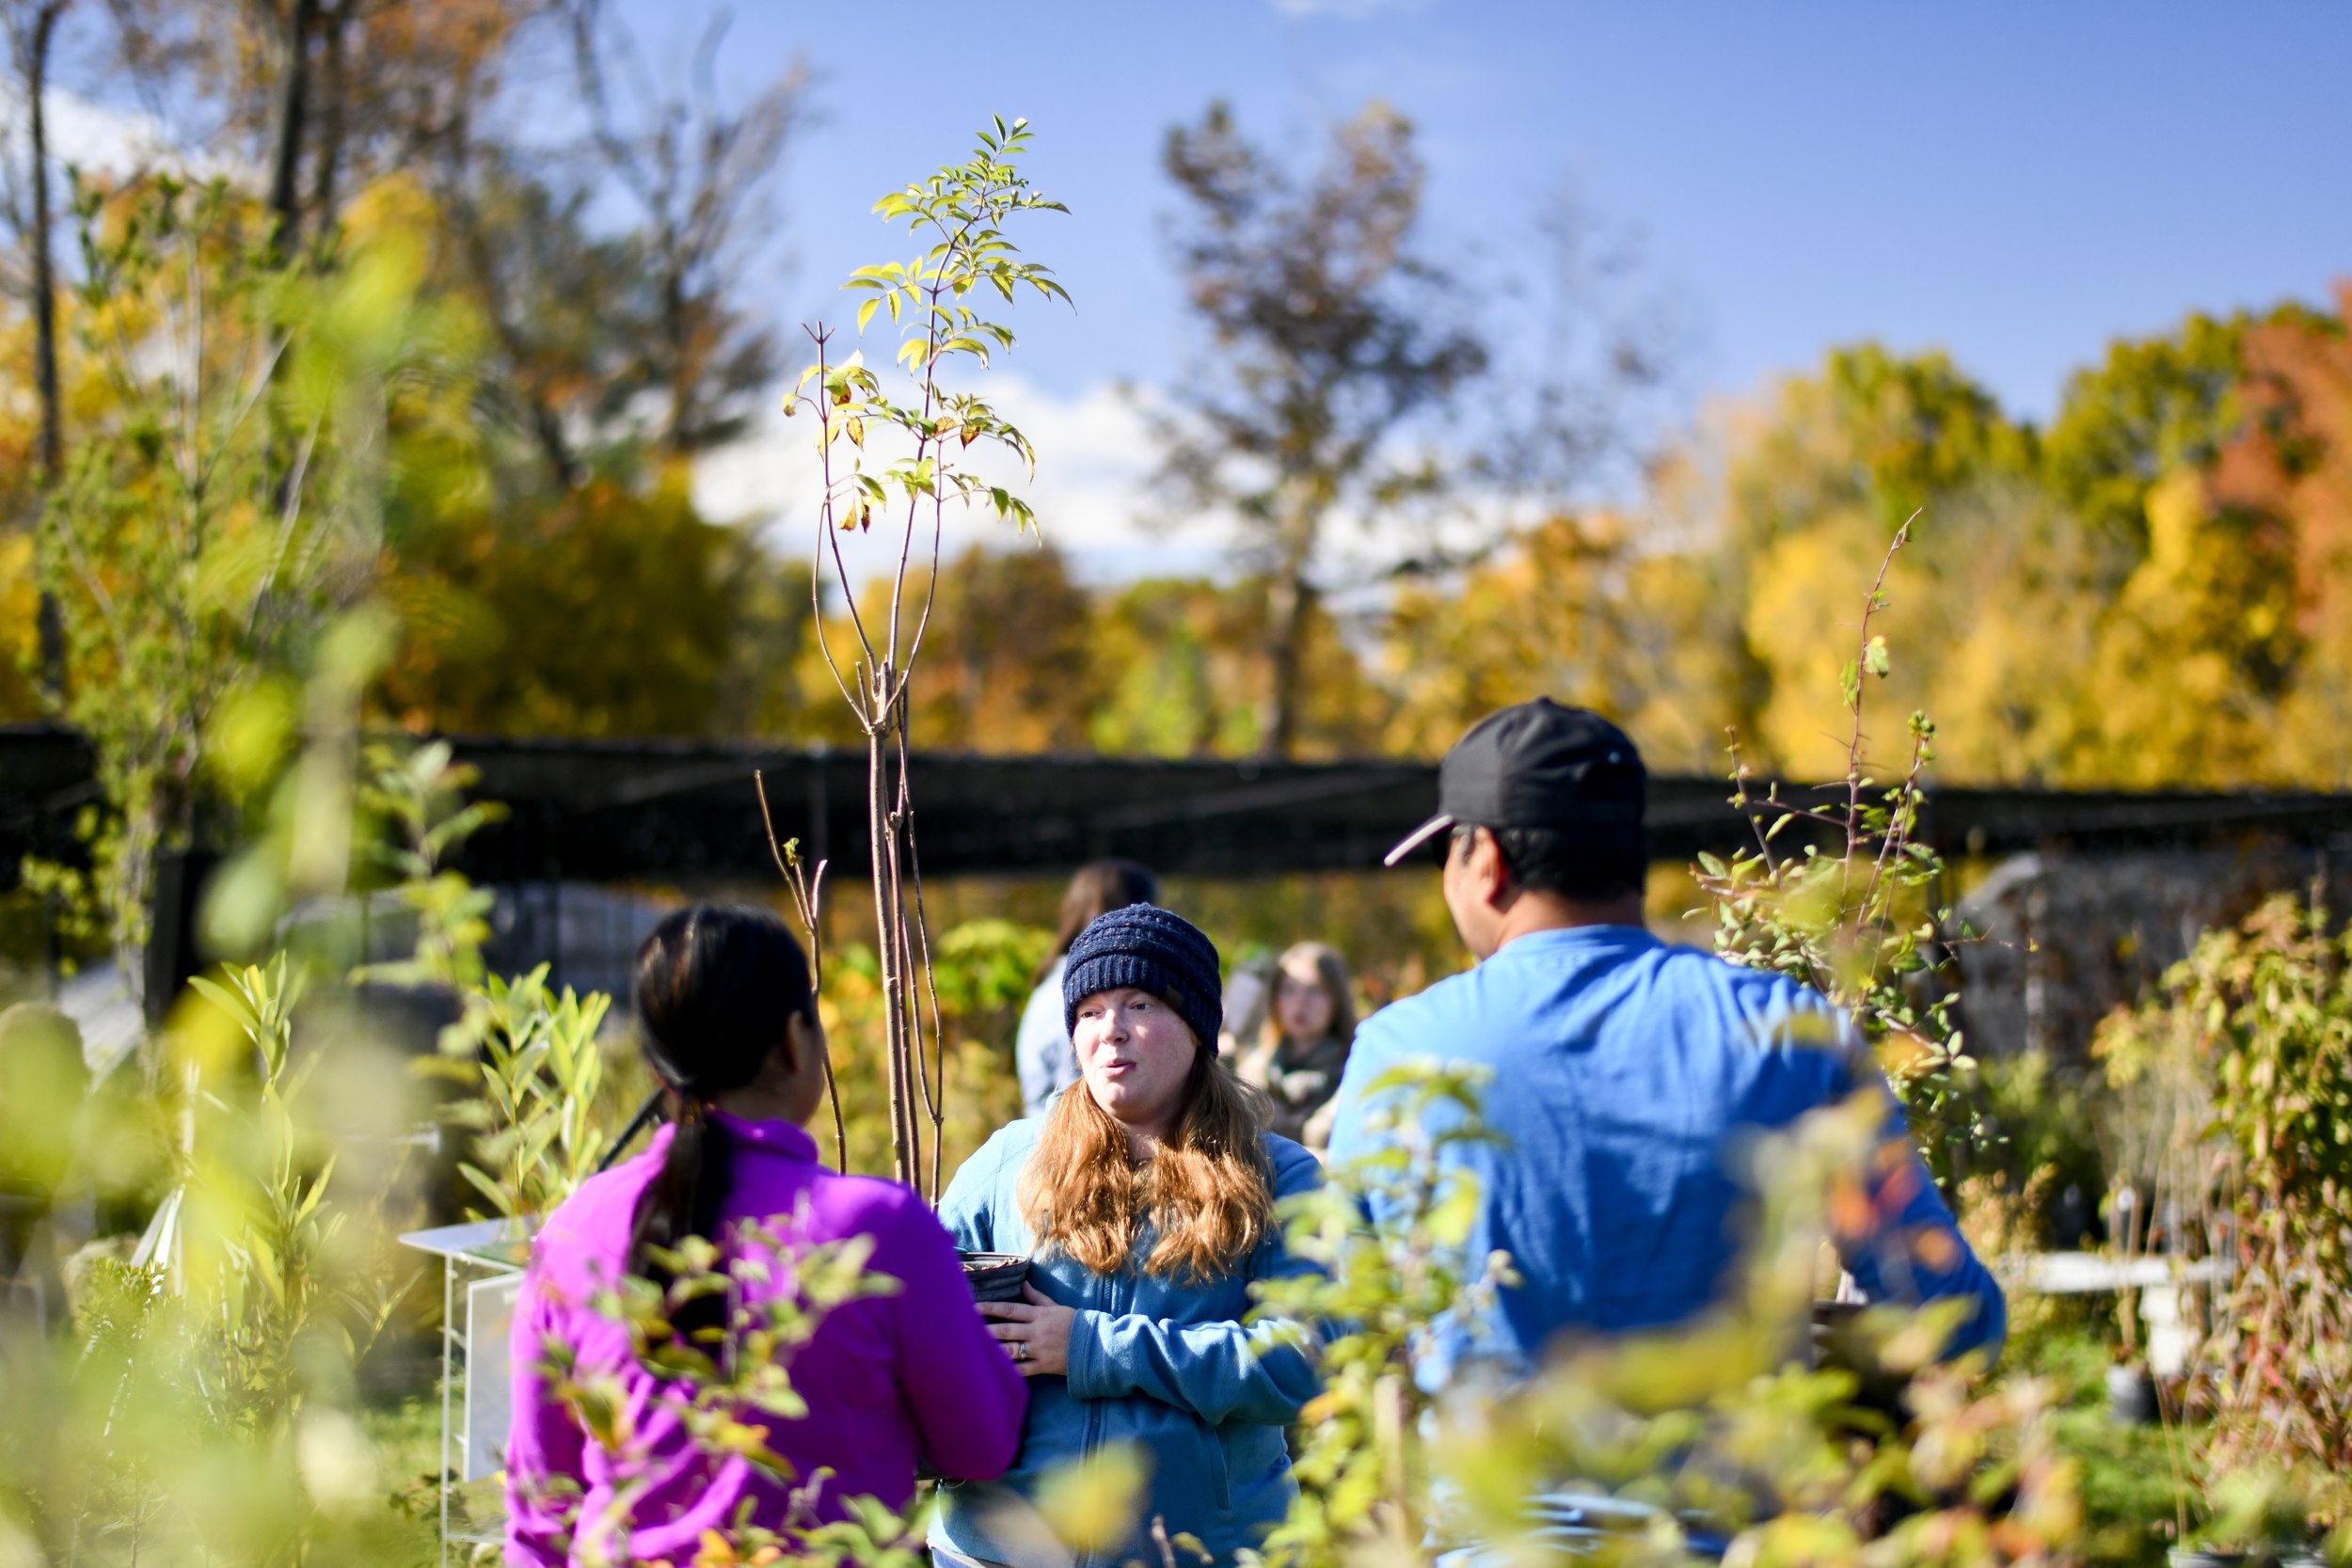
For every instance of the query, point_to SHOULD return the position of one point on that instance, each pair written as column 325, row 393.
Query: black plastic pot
column 995, row 1276
column 2132, row 1403
column 1840, row 1343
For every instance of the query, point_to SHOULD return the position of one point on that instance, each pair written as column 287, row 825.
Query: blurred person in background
column 1042, row 1051
column 1248, row 1002
column 728, row 1022
column 45, row 1207
column 1302, row 1047
column 1145, row 1200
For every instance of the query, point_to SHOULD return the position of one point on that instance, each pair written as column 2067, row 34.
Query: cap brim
column 1418, row 838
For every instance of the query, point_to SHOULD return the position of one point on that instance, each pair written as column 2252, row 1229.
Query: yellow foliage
column 20, row 599
column 2197, row 649
column 1803, row 621
column 1578, row 609
column 601, row 611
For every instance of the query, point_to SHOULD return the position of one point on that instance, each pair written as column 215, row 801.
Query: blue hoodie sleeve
column 967, row 1209
column 1220, row 1372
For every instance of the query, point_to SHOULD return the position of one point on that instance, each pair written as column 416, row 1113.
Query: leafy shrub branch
column 1840, row 892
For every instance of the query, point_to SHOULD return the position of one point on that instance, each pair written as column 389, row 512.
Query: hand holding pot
column 1035, row 1332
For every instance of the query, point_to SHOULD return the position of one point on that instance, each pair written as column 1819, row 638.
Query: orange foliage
column 2293, row 464
column 2295, row 457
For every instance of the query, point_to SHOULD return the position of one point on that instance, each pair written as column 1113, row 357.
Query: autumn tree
column 2150, row 406
column 1330, row 343
column 2186, row 454
column 592, row 315
column 1183, row 662
column 1012, row 662
column 616, row 345
column 1578, row 609
column 586, row 314
column 2291, row 460
column 192, row 553
column 1812, row 491
column 324, row 97
column 698, row 171
column 604, row 609
column 2197, row 650
column 554, row 293
column 32, row 28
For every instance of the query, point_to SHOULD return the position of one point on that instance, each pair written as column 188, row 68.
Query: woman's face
column 1135, row 1054
column 1302, row 1008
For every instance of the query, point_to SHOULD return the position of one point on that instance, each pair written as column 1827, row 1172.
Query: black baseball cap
column 1537, row 764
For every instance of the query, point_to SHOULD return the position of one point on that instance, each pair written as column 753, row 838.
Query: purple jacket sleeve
column 543, row 1448
column 967, row 1397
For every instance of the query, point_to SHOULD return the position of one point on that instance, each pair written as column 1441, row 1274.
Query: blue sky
column 2014, row 183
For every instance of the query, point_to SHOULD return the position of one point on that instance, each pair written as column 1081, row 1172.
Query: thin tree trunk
column 674, row 327
column 333, row 117
column 1288, row 600
column 904, row 1161
column 52, row 620
column 546, row 428
column 546, row 424
column 285, row 195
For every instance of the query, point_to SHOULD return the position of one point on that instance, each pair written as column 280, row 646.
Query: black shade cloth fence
column 683, row 812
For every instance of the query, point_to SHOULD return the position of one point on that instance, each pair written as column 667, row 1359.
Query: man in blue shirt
column 1627, row 1073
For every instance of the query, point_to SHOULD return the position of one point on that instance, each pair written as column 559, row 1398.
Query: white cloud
column 1095, row 456
column 102, row 139
column 1091, row 492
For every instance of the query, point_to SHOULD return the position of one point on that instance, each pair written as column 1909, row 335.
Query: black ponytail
column 715, row 988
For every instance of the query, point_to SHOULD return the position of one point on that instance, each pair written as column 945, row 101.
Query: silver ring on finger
column 1021, row 1349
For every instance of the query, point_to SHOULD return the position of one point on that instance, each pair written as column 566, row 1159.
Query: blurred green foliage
column 1713, row 1432
column 2263, row 1011
column 209, row 528
column 203, row 1408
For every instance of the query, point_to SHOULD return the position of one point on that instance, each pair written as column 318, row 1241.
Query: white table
column 488, row 1257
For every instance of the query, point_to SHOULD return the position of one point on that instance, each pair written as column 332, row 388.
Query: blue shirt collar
column 1570, row 939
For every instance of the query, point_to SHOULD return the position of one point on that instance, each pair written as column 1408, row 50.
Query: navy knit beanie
column 1145, row 946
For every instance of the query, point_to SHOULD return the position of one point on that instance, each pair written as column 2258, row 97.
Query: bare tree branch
column 1331, row 339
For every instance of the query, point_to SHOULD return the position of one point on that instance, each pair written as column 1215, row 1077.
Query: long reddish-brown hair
column 1207, row 1194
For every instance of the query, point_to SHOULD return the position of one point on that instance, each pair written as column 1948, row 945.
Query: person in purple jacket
column 728, row 1022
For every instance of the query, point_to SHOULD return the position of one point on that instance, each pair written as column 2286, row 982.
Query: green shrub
column 2264, row 1010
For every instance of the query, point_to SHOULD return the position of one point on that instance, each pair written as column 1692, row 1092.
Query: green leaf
column 488, row 1188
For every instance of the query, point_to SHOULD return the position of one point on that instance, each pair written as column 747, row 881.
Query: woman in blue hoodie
column 1146, row 1204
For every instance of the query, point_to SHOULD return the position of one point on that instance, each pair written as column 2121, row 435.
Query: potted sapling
column 896, row 450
